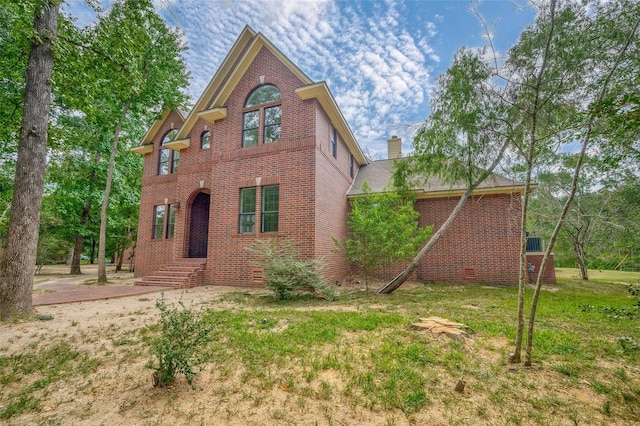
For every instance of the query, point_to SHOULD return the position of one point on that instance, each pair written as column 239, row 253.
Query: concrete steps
column 181, row 273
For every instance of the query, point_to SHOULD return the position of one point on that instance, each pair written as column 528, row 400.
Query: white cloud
column 378, row 71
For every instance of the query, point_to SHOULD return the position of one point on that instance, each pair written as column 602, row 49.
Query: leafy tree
column 461, row 142
column 384, row 230
column 18, row 262
column 144, row 73
column 566, row 62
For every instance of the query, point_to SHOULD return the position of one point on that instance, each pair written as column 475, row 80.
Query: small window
column 334, row 142
column 250, row 128
column 351, row 165
column 171, row 221
column 247, row 210
column 158, row 222
column 270, row 204
column 205, row 140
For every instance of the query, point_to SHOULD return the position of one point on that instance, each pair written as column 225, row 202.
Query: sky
column 380, row 59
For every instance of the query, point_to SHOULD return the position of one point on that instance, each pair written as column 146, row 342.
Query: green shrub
column 285, row 274
column 176, row 349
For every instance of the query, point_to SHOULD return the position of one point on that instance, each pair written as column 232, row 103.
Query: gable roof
column 378, row 174
column 151, row 132
column 211, row 104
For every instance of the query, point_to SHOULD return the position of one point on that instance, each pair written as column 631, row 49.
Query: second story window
column 334, row 142
column 262, row 116
column 205, row 140
column 168, row 160
column 351, row 165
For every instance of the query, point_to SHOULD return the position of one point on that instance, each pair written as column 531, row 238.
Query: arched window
column 205, row 140
column 168, row 160
column 262, row 111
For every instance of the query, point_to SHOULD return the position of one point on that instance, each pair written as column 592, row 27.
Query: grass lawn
column 354, row 361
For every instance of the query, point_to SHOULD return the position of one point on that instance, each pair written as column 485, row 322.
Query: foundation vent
column 257, row 276
column 468, row 274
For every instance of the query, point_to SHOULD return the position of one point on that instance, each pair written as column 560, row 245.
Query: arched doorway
column 199, row 226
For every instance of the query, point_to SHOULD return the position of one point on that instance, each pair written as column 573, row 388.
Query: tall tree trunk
column 516, row 355
column 393, row 285
column 75, row 256
column 18, row 263
column 77, row 249
column 102, row 242
column 569, row 200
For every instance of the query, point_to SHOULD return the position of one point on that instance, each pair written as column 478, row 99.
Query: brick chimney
column 394, row 147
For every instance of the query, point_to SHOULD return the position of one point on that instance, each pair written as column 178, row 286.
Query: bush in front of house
column 285, row 274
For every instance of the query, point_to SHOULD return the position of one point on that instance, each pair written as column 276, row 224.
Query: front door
column 199, row 226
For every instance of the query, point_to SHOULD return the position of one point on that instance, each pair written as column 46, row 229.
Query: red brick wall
column 484, row 240
column 227, row 167
column 151, row 253
column 332, row 183
column 535, row 259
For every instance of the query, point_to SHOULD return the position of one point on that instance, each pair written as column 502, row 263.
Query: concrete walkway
column 74, row 289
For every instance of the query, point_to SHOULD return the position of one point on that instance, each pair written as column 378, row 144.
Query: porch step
column 180, row 273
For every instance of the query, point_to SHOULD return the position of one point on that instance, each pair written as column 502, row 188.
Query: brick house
column 265, row 152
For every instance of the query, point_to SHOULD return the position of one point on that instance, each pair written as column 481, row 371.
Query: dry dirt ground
column 119, row 389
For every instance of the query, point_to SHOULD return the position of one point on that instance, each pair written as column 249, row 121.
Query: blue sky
column 379, row 58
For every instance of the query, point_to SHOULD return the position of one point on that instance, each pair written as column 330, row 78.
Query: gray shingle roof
column 378, row 174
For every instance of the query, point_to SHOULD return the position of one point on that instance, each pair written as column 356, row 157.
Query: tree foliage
column 565, row 65
column 461, row 142
column 384, row 230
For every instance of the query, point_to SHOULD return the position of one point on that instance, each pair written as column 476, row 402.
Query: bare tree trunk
column 393, row 285
column 102, row 242
column 581, row 258
column 77, row 249
column 18, row 263
column 75, row 256
column 567, row 204
column 516, row 355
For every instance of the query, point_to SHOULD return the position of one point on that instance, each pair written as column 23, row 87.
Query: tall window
column 334, row 142
column 205, row 140
column 351, row 165
column 272, row 126
column 158, row 222
column 168, row 160
column 262, row 106
column 270, row 205
column 250, row 128
column 171, row 220
column 247, row 210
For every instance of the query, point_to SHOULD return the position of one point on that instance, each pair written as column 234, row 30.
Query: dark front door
column 199, row 226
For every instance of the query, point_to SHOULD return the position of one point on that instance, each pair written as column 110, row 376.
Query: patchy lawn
column 351, row 361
